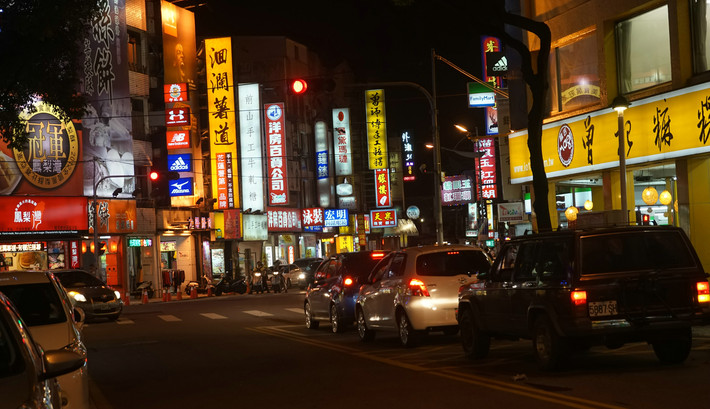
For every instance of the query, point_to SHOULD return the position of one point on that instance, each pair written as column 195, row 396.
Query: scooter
column 277, row 282
column 143, row 286
column 228, row 285
column 202, row 286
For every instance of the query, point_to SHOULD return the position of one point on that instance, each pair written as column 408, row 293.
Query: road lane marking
column 258, row 313
column 123, row 321
column 213, row 316
column 482, row 381
column 296, row 310
column 169, row 318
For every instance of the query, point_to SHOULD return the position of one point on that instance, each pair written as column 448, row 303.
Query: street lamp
column 620, row 104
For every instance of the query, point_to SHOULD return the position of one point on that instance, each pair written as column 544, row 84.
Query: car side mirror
column 79, row 316
column 61, row 361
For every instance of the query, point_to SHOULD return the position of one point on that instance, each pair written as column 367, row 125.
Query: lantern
column 650, row 195
column 665, row 197
column 571, row 213
column 588, row 205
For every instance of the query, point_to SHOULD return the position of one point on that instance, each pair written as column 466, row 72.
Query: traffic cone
column 165, row 295
column 179, row 295
column 193, row 293
column 169, row 298
column 209, row 291
column 126, row 298
column 145, row 297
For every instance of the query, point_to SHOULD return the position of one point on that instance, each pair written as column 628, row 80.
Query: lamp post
column 620, row 104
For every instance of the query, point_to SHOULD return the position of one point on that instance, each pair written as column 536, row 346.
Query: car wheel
column 336, row 321
column 310, row 322
column 550, row 349
column 475, row 342
column 674, row 349
column 407, row 335
column 365, row 334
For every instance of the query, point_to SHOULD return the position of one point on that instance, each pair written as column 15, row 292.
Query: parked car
column 582, row 288
column 27, row 373
column 332, row 295
column 53, row 322
column 415, row 291
column 92, row 295
column 308, row 268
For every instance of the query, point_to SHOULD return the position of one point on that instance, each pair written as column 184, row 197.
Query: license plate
column 604, row 308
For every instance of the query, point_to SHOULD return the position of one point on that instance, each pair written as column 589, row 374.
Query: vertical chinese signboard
column 222, row 121
column 376, row 128
column 491, row 48
column 277, row 161
column 382, row 188
column 408, row 153
column 486, row 169
column 341, row 142
column 251, row 147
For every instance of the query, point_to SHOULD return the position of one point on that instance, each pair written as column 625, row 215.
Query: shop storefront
column 667, row 158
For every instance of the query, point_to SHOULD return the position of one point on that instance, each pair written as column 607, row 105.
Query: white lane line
column 213, row 316
column 169, row 318
column 296, row 310
column 257, row 313
column 122, row 321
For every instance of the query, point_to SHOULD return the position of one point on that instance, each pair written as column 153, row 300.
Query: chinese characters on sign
column 456, row 190
column 486, row 169
column 376, row 128
column 382, row 188
column 252, row 178
column 408, row 152
column 175, row 92
column 383, row 218
column 282, row 219
column 277, row 160
column 313, row 219
column 335, row 217
column 222, row 122
column 341, row 142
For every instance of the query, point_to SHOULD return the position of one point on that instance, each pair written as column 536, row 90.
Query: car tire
column 310, row 322
column 407, row 335
column 675, row 348
column 336, row 321
column 549, row 347
column 475, row 343
column 365, row 334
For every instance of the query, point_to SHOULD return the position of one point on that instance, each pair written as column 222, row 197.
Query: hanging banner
column 277, row 164
column 376, row 128
column 250, row 142
column 341, row 142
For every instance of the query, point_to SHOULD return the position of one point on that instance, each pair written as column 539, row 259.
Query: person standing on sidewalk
column 264, row 277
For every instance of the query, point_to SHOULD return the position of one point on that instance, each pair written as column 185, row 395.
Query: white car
column 415, row 290
column 46, row 308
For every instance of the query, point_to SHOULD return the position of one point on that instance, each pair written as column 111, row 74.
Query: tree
column 40, row 45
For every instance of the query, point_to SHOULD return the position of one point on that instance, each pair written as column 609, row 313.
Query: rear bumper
column 633, row 326
column 425, row 313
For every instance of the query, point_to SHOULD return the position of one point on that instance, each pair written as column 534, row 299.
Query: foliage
column 40, row 48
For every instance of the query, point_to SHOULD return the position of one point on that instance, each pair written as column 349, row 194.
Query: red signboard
column 178, row 139
column 383, row 218
column 312, row 217
column 34, row 214
column 177, row 116
column 74, row 254
column 277, row 163
column 232, row 224
column 282, row 219
column 175, row 92
column 382, row 187
column 486, row 169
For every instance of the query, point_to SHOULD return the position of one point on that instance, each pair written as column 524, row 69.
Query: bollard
column 179, row 295
column 209, row 291
column 145, row 297
column 165, row 295
column 126, row 298
column 193, row 293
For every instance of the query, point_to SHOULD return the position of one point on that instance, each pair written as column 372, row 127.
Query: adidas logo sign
column 179, row 164
column 501, row 65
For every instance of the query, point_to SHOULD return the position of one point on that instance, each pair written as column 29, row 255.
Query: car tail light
column 418, row 288
column 348, row 281
column 377, row 255
column 703, row 291
column 578, row 297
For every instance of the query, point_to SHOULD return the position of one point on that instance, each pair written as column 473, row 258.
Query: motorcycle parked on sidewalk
column 229, row 285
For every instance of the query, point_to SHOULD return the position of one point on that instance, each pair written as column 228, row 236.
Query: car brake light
column 348, row 281
column 377, row 254
column 579, row 297
column 418, row 288
column 703, row 291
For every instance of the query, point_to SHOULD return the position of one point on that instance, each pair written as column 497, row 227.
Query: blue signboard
column 322, row 164
column 181, row 162
column 181, row 187
column 315, row 229
column 335, row 217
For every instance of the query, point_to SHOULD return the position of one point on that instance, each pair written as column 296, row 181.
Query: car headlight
column 78, row 297
column 117, row 294
column 301, row 276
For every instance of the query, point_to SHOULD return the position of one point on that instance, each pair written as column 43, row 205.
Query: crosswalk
column 212, row 316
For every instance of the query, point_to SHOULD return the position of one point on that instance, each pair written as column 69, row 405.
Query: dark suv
column 582, row 288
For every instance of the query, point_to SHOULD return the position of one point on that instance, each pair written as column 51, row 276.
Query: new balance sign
column 181, row 162
column 178, row 139
column 181, row 187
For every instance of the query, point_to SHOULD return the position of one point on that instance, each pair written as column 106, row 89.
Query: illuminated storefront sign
column 222, row 122
column 181, row 162
column 255, row 227
column 511, row 212
column 322, row 162
column 40, row 214
column 492, row 50
column 312, row 219
column 115, row 216
column 175, row 92
column 231, row 224
column 408, row 152
column 177, row 116
column 341, row 142
column 335, row 217
column 277, row 163
column 456, row 190
column 383, row 218
column 376, row 128
column 649, row 133
column 252, row 178
column 138, row 242
column 181, row 187
column 486, row 169
column 281, row 219
column 382, row 188
column 177, row 139
column 168, row 246
column 21, row 247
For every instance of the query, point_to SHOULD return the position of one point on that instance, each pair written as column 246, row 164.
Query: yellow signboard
column 376, row 128
column 222, row 121
column 665, row 126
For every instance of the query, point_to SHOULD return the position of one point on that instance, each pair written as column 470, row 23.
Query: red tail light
column 348, row 281
column 418, row 288
column 377, row 255
column 703, row 291
column 578, row 297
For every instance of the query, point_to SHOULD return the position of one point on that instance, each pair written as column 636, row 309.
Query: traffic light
column 156, row 175
column 645, row 220
column 298, row 86
column 301, row 86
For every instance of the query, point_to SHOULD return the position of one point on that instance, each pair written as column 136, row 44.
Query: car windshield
column 72, row 279
column 632, row 251
column 38, row 304
column 452, row 263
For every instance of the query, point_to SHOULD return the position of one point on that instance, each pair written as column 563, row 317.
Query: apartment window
column 644, row 50
column 574, row 78
column 701, row 36
column 134, row 52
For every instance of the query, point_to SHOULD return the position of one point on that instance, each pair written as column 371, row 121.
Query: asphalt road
column 254, row 351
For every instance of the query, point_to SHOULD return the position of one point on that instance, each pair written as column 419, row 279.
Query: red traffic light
column 645, row 219
column 154, row 175
column 299, row 86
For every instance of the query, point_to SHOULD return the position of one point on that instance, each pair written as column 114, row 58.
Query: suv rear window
column 38, row 304
column 452, row 263
column 361, row 264
column 632, row 251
